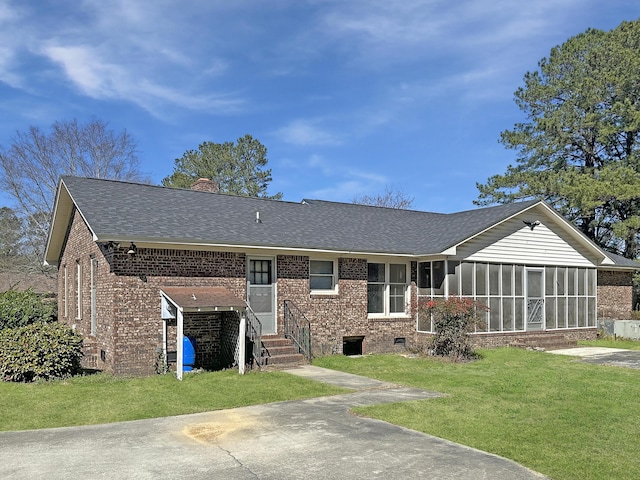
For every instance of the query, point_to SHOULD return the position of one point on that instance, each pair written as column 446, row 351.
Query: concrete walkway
column 311, row 439
column 617, row 357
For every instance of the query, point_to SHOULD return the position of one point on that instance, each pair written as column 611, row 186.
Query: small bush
column 453, row 320
column 39, row 351
column 18, row 309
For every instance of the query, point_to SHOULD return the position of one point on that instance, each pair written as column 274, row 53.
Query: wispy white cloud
column 168, row 57
column 9, row 13
column 137, row 52
column 307, row 132
column 465, row 51
column 349, row 185
column 344, row 179
column 344, row 191
column 10, row 37
column 99, row 78
column 7, row 74
column 83, row 67
column 442, row 25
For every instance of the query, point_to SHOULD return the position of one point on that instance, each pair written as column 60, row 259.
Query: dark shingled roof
column 623, row 261
column 138, row 212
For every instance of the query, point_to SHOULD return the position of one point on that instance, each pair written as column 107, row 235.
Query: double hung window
column 322, row 277
column 386, row 288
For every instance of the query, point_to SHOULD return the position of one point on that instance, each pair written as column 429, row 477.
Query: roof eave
column 61, row 216
column 62, row 208
column 161, row 242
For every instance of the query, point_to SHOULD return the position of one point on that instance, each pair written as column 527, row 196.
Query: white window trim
column 79, row 290
column 65, row 287
column 387, row 298
column 93, row 262
column 334, row 280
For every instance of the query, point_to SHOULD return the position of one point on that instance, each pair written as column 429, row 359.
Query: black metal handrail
column 254, row 334
column 298, row 328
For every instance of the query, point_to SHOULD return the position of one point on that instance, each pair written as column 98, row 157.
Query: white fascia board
column 432, row 258
column 54, row 215
column 62, row 209
column 169, row 299
column 63, row 206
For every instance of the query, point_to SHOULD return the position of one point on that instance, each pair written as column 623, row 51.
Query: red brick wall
column 183, row 263
column 130, row 329
column 79, row 248
column 138, row 325
column 615, row 294
column 334, row 317
column 129, row 326
column 206, row 328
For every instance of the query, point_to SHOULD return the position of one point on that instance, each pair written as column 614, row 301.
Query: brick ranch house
column 127, row 253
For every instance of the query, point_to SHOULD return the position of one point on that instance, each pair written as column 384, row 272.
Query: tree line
column 579, row 146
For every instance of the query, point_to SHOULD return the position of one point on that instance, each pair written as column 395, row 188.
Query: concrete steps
column 280, row 352
column 545, row 341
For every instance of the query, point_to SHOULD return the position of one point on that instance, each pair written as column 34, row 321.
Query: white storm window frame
column 320, row 274
column 93, row 262
column 65, row 299
column 389, row 289
column 78, row 290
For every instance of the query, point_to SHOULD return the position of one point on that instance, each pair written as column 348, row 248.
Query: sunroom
column 518, row 297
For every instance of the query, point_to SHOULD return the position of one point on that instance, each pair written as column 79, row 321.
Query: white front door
column 535, row 299
column 261, row 292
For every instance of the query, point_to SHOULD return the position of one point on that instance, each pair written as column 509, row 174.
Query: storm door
column 261, row 292
column 535, row 299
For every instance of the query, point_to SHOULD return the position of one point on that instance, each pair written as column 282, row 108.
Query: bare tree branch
column 31, row 166
column 389, row 199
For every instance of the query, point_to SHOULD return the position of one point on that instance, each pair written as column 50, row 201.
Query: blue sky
column 349, row 97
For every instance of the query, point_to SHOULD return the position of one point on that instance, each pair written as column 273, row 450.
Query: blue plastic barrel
column 188, row 353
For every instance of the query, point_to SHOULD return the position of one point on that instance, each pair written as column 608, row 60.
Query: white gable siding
column 514, row 242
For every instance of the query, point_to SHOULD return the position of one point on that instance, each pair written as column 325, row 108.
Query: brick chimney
column 205, row 185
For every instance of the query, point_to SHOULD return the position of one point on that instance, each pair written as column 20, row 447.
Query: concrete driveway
column 617, row 357
column 310, row 439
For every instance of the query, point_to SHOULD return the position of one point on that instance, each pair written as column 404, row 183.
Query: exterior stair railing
column 297, row 328
column 254, row 335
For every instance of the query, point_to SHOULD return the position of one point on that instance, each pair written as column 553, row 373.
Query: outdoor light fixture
column 132, row 249
column 530, row 224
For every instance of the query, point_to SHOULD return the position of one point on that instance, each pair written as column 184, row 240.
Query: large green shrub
column 39, row 351
column 18, row 309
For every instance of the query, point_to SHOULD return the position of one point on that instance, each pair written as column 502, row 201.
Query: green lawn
column 103, row 398
column 554, row 414
column 612, row 343
column 551, row 413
